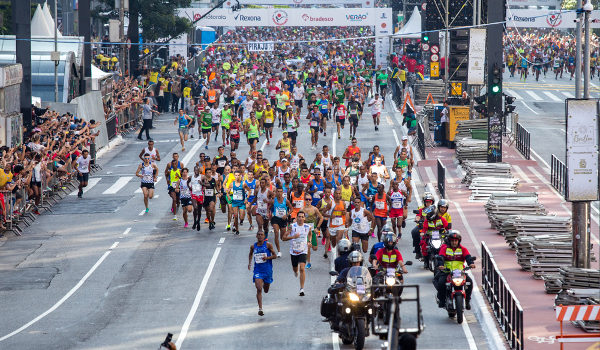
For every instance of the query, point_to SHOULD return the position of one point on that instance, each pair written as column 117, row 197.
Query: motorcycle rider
column 343, row 250
column 389, row 256
column 355, row 258
column 452, row 257
column 379, row 245
column 433, row 222
column 443, row 206
column 416, row 233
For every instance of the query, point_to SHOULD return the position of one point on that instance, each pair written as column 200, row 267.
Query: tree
column 159, row 19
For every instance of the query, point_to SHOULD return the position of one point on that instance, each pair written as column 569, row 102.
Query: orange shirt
column 338, row 215
column 212, row 96
column 297, row 204
column 351, row 151
column 381, row 206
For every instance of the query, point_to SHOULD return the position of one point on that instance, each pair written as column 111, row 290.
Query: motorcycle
column 456, row 281
column 388, row 285
column 348, row 307
column 434, row 242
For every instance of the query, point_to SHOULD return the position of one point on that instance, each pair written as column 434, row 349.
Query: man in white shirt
column 82, row 165
column 377, row 105
column 298, row 95
column 444, row 122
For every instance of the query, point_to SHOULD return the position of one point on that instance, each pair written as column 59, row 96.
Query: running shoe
column 323, row 240
column 308, row 266
column 325, row 255
column 260, row 312
column 301, row 292
column 237, row 232
column 329, row 249
column 268, row 143
column 174, row 218
column 206, row 147
column 185, row 226
column 228, row 227
column 206, row 221
column 147, row 210
column 279, row 254
column 373, row 234
column 325, row 133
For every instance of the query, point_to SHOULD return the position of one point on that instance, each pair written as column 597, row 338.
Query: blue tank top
column 332, row 183
column 259, row 252
column 318, row 188
column 252, row 186
column 286, row 189
column 239, row 195
column 372, row 190
column 182, row 121
column 279, row 209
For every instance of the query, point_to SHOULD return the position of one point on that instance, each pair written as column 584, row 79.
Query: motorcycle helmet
column 343, row 246
column 453, row 234
column 387, row 228
column 427, row 196
column 389, row 240
column 443, row 203
column 355, row 257
column 430, row 212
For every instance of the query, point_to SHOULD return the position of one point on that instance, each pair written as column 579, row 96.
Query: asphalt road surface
column 98, row 273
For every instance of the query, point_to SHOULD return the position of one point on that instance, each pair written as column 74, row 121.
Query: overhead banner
column 363, row 3
column 549, row 3
column 547, row 18
column 261, row 46
column 582, row 149
column 180, row 47
column 476, row 70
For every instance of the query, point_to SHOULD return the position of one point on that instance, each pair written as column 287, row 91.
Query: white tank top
column 295, row 162
column 151, row 153
column 280, row 172
column 196, row 183
column 362, row 180
column 397, row 199
column 261, row 201
column 360, row 223
column 327, row 161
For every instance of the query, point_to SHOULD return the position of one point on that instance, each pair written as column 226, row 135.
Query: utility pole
column 21, row 14
column 55, row 54
column 446, row 66
column 581, row 209
column 122, row 48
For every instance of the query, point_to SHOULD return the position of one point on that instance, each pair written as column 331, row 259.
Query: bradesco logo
column 309, row 18
column 243, row 18
column 357, row 18
column 280, row 17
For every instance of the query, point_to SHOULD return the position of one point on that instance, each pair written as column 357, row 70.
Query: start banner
column 547, row 18
column 261, row 46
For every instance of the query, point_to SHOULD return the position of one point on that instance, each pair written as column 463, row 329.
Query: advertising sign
column 582, row 150
column 180, row 46
column 363, row 3
column 550, row 3
column 476, row 71
column 456, row 113
column 254, row 46
column 547, row 18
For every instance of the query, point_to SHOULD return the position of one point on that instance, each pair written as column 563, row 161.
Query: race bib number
column 299, row 245
column 338, row 221
column 314, row 123
column 353, row 180
column 280, row 212
column 261, row 205
column 380, row 205
column 299, row 204
column 196, row 188
column 258, row 258
column 233, row 132
column 148, row 178
column 209, row 192
column 318, row 194
column 250, row 192
column 238, row 195
column 221, row 163
column 397, row 205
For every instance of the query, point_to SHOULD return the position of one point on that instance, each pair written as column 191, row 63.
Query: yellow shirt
column 154, row 77
column 447, row 217
column 230, row 179
column 268, row 116
column 187, row 91
column 5, row 178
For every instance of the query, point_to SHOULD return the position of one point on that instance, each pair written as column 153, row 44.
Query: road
column 98, row 273
column 541, row 108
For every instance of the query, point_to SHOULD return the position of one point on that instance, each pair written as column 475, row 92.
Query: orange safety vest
column 212, row 96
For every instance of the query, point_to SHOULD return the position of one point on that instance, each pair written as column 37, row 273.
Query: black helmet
column 454, row 234
column 355, row 257
column 430, row 212
column 389, row 240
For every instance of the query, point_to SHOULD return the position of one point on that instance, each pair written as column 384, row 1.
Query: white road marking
column 552, row 96
column 396, row 137
column 335, row 339
column 222, row 240
column 568, row 94
column 61, row 301
column 139, row 190
column 525, row 104
column 118, row 185
column 188, row 157
column 126, row 231
column 534, row 95
column 334, row 144
column 91, row 183
column 514, row 94
column 522, row 174
column 469, row 336
column 142, row 212
column 196, row 304
column 547, row 166
column 430, row 174
column 262, row 147
column 113, row 246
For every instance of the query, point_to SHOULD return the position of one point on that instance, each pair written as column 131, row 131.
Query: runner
column 211, row 188
column 147, row 171
column 250, row 189
column 226, row 118
column 324, row 108
column 183, row 120
column 252, row 132
column 269, row 117
column 216, row 120
column 339, row 115
column 380, row 170
column 299, row 234
column 172, row 175
column 325, row 206
column 280, row 207
column 377, row 105
column 362, row 221
column 314, row 118
column 238, row 199
column 338, row 218
column 396, row 201
column 263, row 254
column 284, row 143
column 352, row 151
column 197, row 196
column 381, row 209
column 234, row 133
column 151, row 151
column 261, row 207
column 291, row 122
column 82, row 166
column 182, row 186
column 314, row 219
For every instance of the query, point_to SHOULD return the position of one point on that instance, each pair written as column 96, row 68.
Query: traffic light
column 508, row 104
column 425, row 38
column 481, row 104
column 495, row 83
column 459, row 54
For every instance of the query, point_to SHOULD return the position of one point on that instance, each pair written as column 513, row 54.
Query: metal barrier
column 506, row 306
column 523, row 141
column 421, row 140
column 128, row 118
column 558, row 175
column 441, row 178
column 111, row 126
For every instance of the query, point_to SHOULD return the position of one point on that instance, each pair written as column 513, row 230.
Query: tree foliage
column 159, row 19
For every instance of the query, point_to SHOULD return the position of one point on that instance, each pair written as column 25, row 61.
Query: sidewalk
column 469, row 217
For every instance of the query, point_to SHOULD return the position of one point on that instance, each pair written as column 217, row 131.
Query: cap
column 404, row 137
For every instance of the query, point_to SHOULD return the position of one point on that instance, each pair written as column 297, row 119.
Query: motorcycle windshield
column 457, row 273
column 359, row 279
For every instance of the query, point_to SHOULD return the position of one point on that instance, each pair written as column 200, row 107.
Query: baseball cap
column 404, row 137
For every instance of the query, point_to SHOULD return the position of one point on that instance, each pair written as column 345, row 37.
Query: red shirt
column 439, row 223
column 388, row 259
column 411, row 65
column 341, row 112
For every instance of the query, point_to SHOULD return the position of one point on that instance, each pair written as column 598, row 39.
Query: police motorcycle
column 456, row 283
column 433, row 240
column 348, row 306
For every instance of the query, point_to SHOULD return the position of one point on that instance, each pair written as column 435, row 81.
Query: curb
column 102, row 151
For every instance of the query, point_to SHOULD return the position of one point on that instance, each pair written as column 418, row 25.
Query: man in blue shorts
column 262, row 253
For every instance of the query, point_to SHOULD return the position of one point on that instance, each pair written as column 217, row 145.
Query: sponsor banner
column 363, row 3
column 547, row 18
column 181, row 48
column 582, row 150
column 553, row 3
column 261, row 46
column 383, row 27
column 293, row 17
column 476, row 69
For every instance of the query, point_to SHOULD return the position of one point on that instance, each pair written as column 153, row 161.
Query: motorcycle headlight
column 457, row 281
column 353, row 297
column 436, row 244
column 390, row 280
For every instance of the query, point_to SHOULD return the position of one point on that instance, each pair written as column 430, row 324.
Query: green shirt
column 225, row 118
column 340, row 95
column 281, row 100
column 206, row 120
column 382, row 77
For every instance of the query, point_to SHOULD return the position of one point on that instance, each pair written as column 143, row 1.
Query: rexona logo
column 243, row 18
column 357, row 18
column 309, row 18
column 198, row 15
column 280, row 17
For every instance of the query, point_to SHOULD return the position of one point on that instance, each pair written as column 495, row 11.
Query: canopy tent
column 42, row 23
column 412, row 28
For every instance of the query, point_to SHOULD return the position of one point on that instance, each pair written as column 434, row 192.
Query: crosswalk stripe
column 91, row 183
column 534, row 95
column 514, row 94
column 139, row 190
column 552, row 96
column 568, row 94
column 120, row 183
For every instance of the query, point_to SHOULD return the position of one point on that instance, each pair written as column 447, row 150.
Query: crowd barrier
column 421, row 140
column 441, row 178
column 558, row 175
column 523, row 141
column 506, row 306
column 127, row 119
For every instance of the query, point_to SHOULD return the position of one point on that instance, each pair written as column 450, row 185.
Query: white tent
column 50, row 19
column 39, row 25
column 97, row 76
column 412, row 28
